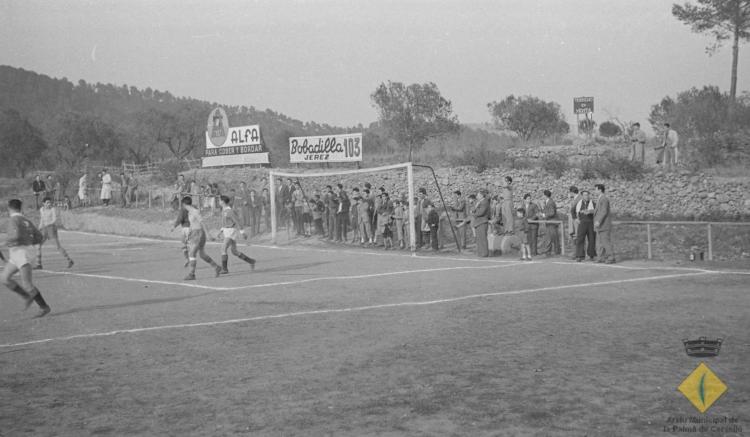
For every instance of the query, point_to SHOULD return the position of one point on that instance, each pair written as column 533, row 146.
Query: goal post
column 407, row 167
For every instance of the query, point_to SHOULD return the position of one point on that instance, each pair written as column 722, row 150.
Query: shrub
column 609, row 129
column 610, row 166
column 555, row 164
column 589, row 169
column 517, row 163
column 169, row 169
column 481, row 158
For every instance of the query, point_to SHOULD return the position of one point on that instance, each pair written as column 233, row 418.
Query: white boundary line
column 346, row 310
column 391, row 254
column 274, row 284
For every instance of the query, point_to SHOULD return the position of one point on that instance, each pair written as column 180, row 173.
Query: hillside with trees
column 110, row 124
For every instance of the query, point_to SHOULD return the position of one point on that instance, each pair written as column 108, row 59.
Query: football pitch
column 354, row 342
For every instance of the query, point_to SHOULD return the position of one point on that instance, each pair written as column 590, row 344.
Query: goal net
column 310, row 203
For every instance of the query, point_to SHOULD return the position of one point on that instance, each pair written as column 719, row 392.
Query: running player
column 22, row 237
column 182, row 220
column 196, row 239
column 231, row 231
column 48, row 226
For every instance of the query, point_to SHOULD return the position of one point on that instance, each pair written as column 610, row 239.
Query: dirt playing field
column 343, row 341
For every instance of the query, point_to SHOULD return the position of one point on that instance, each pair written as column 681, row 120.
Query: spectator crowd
column 489, row 219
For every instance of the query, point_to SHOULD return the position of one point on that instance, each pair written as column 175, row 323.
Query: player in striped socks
column 230, row 228
column 22, row 237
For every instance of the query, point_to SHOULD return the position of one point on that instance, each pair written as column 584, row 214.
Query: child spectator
column 522, row 232
column 317, row 214
column 307, row 219
column 433, row 221
column 399, row 218
column 387, row 236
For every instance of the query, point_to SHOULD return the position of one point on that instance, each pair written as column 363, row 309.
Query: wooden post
column 562, row 237
column 648, row 239
column 163, row 206
column 136, row 198
column 149, row 198
column 710, row 244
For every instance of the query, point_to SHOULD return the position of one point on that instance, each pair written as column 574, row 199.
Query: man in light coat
column 603, row 227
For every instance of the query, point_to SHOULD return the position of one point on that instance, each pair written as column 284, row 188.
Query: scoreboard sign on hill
column 232, row 145
column 326, row 148
column 583, row 105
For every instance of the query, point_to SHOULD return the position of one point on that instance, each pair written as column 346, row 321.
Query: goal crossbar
column 272, row 174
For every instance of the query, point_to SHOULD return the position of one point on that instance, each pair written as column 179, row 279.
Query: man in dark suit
column 603, row 227
column 480, row 215
column 458, row 217
column 549, row 212
column 532, row 213
column 585, row 214
column 38, row 187
column 342, row 214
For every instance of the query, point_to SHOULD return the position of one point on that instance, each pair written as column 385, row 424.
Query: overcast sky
column 321, row 60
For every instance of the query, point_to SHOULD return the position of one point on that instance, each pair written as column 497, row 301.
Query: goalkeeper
column 231, row 231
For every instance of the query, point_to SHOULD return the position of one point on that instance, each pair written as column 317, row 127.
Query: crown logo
column 702, row 347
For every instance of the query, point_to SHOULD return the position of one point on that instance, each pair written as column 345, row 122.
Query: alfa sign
column 232, row 145
column 583, row 105
column 326, row 148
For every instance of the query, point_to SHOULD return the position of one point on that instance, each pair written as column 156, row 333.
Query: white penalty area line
column 346, row 249
column 280, row 283
column 345, row 310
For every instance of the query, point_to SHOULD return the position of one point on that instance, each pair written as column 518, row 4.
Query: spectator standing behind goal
column 106, row 191
column 572, row 220
column 399, row 220
column 124, row 182
column 507, row 205
column 83, row 190
column 670, row 142
column 256, row 209
column 354, row 214
column 549, row 212
column 38, row 187
column 532, row 213
column 638, row 143
column 603, row 227
column 433, row 222
column 342, row 215
column 298, row 199
column 458, row 216
column 585, row 214
column 364, row 219
column 51, row 189
column 522, row 232
column 479, row 220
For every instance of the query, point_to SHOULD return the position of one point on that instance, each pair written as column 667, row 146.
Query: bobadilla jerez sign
column 232, row 145
column 326, row 148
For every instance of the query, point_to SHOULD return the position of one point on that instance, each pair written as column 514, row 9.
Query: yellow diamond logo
column 702, row 388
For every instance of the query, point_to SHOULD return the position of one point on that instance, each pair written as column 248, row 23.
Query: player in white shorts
column 182, row 220
column 22, row 237
column 48, row 226
column 196, row 239
column 230, row 228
